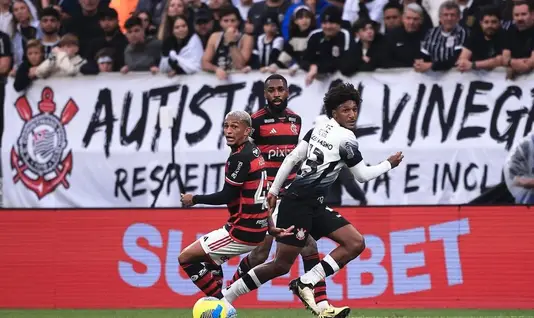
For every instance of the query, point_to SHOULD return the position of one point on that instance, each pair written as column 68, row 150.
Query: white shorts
column 220, row 246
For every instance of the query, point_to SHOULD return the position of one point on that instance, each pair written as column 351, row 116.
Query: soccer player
column 275, row 130
column 244, row 192
column 324, row 149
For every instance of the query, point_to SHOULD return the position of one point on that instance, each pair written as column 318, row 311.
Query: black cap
column 108, row 13
column 331, row 14
column 270, row 18
column 203, row 16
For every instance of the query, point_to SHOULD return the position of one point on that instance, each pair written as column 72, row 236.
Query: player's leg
column 193, row 260
column 216, row 271
column 292, row 212
column 258, row 256
column 310, row 258
column 216, row 248
column 351, row 243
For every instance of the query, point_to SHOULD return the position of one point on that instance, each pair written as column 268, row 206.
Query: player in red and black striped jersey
column 244, row 193
column 276, row 133
column 275, row 130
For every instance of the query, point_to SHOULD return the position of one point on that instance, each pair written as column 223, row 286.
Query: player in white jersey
column 324, row 150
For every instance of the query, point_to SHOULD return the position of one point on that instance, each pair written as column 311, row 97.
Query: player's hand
column 279, row 232
column 396, row 159
column 271, row 202
column 187, row 199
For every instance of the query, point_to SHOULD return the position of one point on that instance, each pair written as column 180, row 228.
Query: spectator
column 6, row 18
column 27, row 70
column 518, row 169
column 278, row 7
column 519, row 46
column 154, row 8
column 195, row 5
column 443, row 44
column 86, row 25
column 432, row 7
column 27, row 28
column 370, row 9
column 216, row 6
column 368, row 50
column 315, row 6
column 112, row 38
column 483, row 49
column 469, row 12
column 64, row 60
column 148, row 25
column 142, row 54
column 427, row 20
column 302, row 24
column 50, row 25
column 204, row 24
column 75, row 8
column 244, row 7
column 228, row 49
column 175, row 8
column 329, row 47
column 506, row 8
column 403, row 44
column 104, row 60
column 268, row 45
column 182, row 52
column 5, row 66
column 392, row 16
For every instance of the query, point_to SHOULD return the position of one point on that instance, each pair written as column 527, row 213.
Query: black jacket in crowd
column 402, row 48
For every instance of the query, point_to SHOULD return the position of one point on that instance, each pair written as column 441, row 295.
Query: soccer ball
column 209, row 307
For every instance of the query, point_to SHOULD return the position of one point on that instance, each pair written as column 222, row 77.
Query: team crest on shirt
column 301, row 234
column 256, row 152
column 294, row 129
column 335, row 51
column 38, row 157
column 450, row 42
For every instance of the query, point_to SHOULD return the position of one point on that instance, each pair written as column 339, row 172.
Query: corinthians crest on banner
column 38, row 157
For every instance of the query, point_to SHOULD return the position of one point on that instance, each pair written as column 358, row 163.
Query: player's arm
column 297, row 155
column 237, row 174
column 352, row 157
column 347, row 180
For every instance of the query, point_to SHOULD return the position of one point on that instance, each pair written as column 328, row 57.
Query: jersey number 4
column 261, row 192
column 315, row 159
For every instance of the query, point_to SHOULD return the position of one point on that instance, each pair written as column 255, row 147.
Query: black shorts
column 310, row 217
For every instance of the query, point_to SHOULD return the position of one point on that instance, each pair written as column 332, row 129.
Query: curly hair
column 339, row 94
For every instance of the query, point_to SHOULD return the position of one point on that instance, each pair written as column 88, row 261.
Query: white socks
column 240, row 286
column 326, row 267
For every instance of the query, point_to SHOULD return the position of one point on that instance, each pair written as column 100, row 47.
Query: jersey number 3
column 315, row 159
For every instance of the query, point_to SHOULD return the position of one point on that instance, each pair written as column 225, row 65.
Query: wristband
column 474, row 65
column 509, row 62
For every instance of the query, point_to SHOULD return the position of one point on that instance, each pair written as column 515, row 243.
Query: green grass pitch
column 244, row 313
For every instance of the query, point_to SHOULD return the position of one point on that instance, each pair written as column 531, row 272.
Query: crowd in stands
column 43, row 38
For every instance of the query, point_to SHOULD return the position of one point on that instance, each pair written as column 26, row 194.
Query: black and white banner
column 96, row 141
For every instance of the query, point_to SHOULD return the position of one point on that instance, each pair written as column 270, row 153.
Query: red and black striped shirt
column 245, row 168
column 276, row 135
